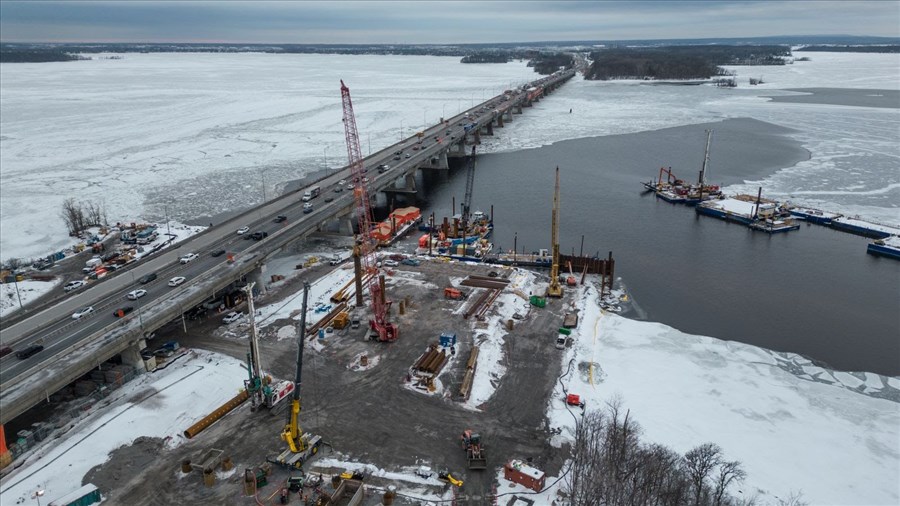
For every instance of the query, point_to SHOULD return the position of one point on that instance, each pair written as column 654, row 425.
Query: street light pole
column 16, row 282
column 369, row 137
column 325, row 154
column 401, row 130
column 166, row 208
column 37, row 496
column 262, row 173
column 444, row 111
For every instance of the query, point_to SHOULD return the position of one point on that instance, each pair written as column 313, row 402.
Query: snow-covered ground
column 793, row 426
column 161, row 404
column 28, row 291
column 206, row 133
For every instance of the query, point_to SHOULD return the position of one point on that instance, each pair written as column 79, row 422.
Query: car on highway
column 259, row 235
column 396, row 157
column 177, row 280
column 342, row 182
column 307, row 208
column 147, row 278
column 349, row 186
column 338, row 189
column 29, row 351
column 73, row 285
column 218, row 253
column 280, row 218
column 365, row 180
column 243, row 230
column 232, row 317
column 187, row 258
column 329, row 199
column 408, row 155
column 122, row 311
column 82, row 312
column 136, row 294
column 4, row 351
column 383, row 168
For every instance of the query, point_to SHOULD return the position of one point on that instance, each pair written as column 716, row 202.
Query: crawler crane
column 555, row 289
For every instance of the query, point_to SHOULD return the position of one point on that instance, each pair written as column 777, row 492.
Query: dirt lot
column 365, row 416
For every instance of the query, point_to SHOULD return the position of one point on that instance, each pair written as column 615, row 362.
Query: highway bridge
column 74, row 347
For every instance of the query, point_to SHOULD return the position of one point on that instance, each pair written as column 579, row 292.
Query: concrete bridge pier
column 346, row 225
column 488, row 129
column 509, row 113
column 438, row 161
column 499, row 120
column 410, row 184
column 131, row 356
column 258, row 276
column 477, row 136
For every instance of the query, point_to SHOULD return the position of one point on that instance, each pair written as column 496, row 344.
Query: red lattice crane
column 379, row 324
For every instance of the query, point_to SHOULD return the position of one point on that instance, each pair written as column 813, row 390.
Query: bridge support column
column 489, row 128
column 518, row 109
column 410, row 182
column 131, row 356
column 509, row 113
column 259, row 277
column 442, row 162
column 500, row 121
column 477, row 137
column 346, row 225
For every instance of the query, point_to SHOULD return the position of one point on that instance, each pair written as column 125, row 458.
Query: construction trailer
column 84, row 496
column 519, row 472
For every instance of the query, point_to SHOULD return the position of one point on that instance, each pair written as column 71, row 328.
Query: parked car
column 73, row 285
column 218, row 253
column 232, row 317
column 197, row 313
column 177, row 280
column 147, row 278
column 280, row 218
column 243, row 230
column 29, row 351
column 187, row 258
column 136, row 294
column 122, row 311
column 259, row 235
column 410, row 261
column 391, row 263
column 82, row 312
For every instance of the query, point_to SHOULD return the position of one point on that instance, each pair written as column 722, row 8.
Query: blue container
column 321, row 333
column 448, row 340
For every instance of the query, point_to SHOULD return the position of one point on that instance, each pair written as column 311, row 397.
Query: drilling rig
column 365, row 245
column 555, row 289
column 470, row 183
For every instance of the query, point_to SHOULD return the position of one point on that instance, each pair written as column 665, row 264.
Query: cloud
column 440, row 22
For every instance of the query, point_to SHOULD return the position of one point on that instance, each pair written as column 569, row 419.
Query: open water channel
column 814, row 291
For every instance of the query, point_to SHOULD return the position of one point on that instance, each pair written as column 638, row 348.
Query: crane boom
column 386, row 330
column 555, row 289
column 470, row 183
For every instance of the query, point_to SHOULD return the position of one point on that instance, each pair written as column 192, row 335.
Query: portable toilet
column 321, row 333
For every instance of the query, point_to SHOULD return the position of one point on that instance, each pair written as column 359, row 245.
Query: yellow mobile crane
column 555, row 289
column 301, row 445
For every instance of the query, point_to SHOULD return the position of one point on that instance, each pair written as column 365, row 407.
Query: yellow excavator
column 301, row 445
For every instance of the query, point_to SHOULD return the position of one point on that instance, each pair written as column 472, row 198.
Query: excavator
column 301, row 445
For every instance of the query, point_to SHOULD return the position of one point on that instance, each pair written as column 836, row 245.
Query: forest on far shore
column 679, row 62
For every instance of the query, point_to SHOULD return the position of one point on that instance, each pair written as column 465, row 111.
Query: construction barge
column 676, row 191
column 461, row 239
column 888, row 247
column 756, row 213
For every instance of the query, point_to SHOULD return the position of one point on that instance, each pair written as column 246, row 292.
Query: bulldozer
column 475, row 455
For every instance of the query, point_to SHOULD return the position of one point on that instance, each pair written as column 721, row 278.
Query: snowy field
column 795, row 427
column 206, row 133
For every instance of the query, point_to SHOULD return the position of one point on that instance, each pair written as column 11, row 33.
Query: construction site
column 385, row 378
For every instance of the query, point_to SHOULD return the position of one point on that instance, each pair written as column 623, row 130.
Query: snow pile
column 28, row 291
column 320, row 293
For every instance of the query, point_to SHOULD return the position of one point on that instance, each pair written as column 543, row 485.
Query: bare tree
column 729, row 471
column 699, row 463
column 13, row 263
column 793, row 499
column 73, row 215
column 93, row 213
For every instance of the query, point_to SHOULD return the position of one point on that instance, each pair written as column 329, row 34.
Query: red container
column 573, row 400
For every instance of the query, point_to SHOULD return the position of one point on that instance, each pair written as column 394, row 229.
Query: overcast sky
column 354, row 22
